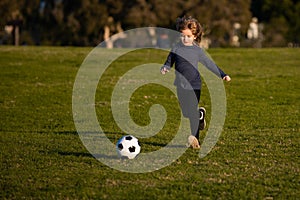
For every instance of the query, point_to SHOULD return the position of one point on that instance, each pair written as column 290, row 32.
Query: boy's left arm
column 227, row 78
column 211, row 65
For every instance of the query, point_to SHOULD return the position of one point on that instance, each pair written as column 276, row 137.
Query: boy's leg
column 193, row 139
column 189, row 108
column 197, row 133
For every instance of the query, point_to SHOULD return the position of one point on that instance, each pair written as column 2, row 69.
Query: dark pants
column 189, row 100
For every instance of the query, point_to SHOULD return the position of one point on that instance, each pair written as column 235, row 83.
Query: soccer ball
column 128, row 146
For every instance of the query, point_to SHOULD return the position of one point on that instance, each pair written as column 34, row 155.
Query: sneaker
column 193, row 142
column 202, row 122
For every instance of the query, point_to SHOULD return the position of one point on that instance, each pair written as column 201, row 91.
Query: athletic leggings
column 189, row 100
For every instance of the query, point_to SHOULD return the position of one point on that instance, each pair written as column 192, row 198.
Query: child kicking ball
column 186, row 55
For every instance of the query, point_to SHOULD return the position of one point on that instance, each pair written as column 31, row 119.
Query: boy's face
column 187, row 37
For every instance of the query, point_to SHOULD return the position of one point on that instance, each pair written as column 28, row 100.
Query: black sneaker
column 202, row 122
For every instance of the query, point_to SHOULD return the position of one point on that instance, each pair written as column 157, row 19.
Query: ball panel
column 128, row 137
column 120, row 146
column 131, row 149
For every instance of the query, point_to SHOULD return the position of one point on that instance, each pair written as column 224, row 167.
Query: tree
column 78, row 22
column 219, row 16
column 82, row 22
column 282, row 20
column 12, row 19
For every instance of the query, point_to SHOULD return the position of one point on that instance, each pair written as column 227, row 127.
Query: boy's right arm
column 168, row 64
column 164, row 69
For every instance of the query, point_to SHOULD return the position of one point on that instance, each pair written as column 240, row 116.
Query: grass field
column 42, row 156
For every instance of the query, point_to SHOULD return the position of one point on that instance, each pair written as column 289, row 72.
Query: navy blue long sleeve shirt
column 186, row 59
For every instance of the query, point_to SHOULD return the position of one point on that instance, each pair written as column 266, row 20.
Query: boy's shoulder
column 176, row 47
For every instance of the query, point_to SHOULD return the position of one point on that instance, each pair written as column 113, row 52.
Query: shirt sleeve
column 211, row 65
column 170, row 60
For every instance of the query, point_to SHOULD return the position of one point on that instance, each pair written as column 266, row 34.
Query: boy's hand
column 227, row 78
column 163, row 70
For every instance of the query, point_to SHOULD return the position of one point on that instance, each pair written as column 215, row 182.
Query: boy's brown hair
column 192, row 24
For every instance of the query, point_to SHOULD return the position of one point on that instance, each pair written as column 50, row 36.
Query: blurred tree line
column 88, row 22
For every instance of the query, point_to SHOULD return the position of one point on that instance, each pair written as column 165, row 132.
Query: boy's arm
column 227, row 78
column 170, row 61
column 168, row 64
column 209, row 64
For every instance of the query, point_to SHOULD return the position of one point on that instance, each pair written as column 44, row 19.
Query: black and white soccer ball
column 128, row 146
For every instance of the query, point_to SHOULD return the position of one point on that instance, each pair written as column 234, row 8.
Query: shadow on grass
column 83, row 154
column 66, row 153
column 113, row 136
column 65, row 132
column 80, row 154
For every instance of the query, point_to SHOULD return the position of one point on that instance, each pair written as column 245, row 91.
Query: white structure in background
column 115, row 37
column 235, row 40
column 152, row 34
column 108, row 31
column 205, row 42
column 253, row 31
column 8, row 29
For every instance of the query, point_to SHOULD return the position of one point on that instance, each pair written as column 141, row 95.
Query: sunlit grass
column 42, row 156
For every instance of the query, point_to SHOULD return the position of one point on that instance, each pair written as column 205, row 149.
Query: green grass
column 42, row 156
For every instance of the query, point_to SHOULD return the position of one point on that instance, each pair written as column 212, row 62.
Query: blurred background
column 227, row 23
